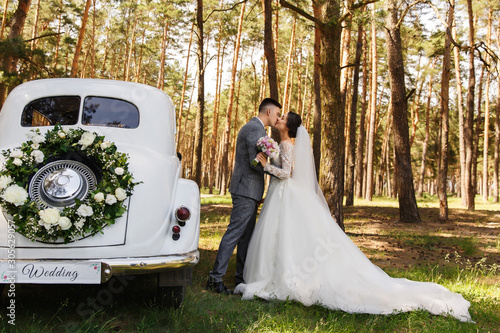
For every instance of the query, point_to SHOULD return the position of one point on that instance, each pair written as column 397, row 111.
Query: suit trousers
column 239, row 232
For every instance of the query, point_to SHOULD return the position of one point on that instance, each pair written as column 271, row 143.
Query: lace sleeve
column 286, row 156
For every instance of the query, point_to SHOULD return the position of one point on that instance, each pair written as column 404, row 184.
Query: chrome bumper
column 148, row 265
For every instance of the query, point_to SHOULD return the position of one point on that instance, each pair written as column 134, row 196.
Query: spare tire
column 59, row 183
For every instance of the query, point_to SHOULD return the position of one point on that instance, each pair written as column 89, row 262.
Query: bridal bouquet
column 268, row 146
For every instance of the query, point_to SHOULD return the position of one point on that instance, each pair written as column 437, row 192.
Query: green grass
column 54, row 308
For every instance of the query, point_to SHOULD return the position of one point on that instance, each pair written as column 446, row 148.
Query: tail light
column 182, row 214
column 176, row 232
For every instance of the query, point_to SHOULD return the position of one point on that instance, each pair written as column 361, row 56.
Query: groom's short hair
column 266, row 102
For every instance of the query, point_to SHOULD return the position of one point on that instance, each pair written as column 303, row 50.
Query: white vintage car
column 90, row 187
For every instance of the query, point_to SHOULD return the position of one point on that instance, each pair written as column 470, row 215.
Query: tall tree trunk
column 475, row 144
column 131, row 51
column 333, row 116
column 139, row 61
column 373, row 112
column 486, row 136
column 317, row 91
column 81, row 35
column 58, row 40
column 106, row 51
column 9, row 61
column 385, row 152
column 351, row 156
column 362, row 133
column 215, row 122
column 460, row 103
column 235, row 126
column 229, row 111
column 35, row 26
column 4, row 17
column 496, row 160
column 445, row 100
column 184, row 85
column 345, row 42
column 426, row 138
column 269, row 49
column 298, row 104
column 92, row 60
column 415, row 110
column 198, row 143
column 163, row 47
column 288, row 78
column 468, row 128
column 408, row 210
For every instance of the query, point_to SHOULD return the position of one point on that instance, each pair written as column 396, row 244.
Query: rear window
column 48, row 111
column 110, row 112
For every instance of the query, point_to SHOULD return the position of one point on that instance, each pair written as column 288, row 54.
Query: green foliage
column 37, row 221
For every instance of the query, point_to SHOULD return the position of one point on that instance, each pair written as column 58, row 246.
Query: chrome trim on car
column 146, row 265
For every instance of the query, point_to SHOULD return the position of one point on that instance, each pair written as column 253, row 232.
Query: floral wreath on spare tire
column 65, row 185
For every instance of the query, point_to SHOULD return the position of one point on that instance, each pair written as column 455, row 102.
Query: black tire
column 171, row 297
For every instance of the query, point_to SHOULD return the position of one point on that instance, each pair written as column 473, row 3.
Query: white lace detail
column 281, row 167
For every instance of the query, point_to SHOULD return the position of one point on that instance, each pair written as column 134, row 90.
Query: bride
column 298, row 251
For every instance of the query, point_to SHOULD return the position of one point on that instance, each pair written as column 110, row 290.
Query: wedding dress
column 298, row 252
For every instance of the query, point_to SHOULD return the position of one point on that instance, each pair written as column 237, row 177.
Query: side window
column 47, row 111
column 110, row 112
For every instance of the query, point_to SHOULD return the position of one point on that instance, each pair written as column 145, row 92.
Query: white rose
column 38, row 138
column 106, row 144
column 16, row 153
column 15, row 194
column 46, row 225
column 35, row 145
column 99, row 197
column 2, row 163
column 49, row 215
column 64, row 223
column 79, row 224
column 17, row 162
column 38, row 155
column 5, row 181
column 87, row 139
column 120, row 194
column 110, row 199
column 119, row 171
column 61, row 134
column 85, row 210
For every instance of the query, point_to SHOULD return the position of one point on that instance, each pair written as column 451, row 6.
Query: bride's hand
column 262, row 159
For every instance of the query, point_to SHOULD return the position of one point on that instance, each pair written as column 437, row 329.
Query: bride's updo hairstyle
column 292, row 123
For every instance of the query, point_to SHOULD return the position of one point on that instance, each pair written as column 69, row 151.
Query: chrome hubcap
column 59, row 184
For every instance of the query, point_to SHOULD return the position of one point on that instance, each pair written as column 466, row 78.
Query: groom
column 247, row 188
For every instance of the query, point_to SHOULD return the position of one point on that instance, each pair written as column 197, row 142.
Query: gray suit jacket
column 247, row 180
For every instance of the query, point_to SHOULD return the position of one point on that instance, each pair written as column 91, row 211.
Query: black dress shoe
column 218, row 287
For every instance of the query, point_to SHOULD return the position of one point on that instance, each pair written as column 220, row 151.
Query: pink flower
column 268, row 146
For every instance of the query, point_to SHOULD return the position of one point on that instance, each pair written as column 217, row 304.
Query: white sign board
column 50, row 272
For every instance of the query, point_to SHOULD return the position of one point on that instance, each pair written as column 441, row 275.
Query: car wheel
column 171, row 296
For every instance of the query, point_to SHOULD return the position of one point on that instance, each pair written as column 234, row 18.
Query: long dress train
column 298, row 252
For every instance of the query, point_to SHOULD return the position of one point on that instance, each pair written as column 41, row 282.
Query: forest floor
column 467, row 238
column 471, row 235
